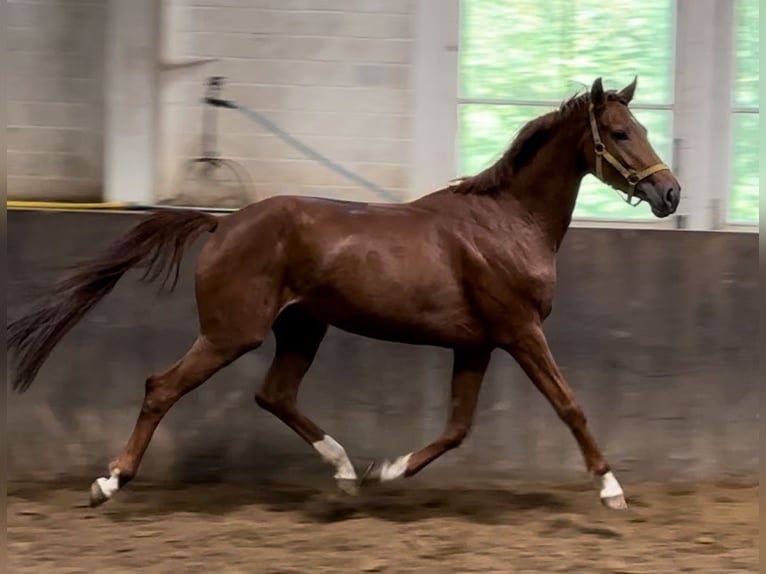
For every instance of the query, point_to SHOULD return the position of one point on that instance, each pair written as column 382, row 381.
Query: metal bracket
column 209, row 161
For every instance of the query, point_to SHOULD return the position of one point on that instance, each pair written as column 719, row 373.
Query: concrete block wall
column 334, row 73
column 650, row 328
column 55, row 98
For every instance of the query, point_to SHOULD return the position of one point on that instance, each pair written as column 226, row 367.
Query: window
column 745, row 189
column 521, row 58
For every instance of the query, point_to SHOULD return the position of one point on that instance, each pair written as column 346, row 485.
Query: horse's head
column 618, row 152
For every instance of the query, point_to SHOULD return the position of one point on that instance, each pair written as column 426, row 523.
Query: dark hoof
column 97, row 496
column 371, row 473
column 348, row 486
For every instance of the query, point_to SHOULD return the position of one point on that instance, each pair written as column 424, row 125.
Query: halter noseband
column 631, row 176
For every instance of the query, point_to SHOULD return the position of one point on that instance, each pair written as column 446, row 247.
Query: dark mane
column 530, row 138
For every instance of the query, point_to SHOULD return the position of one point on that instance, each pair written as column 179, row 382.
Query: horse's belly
column 414, row 333
column 396, row 319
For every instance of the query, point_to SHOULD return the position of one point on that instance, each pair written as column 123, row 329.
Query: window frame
column 703, row 52
column 734, row 111
column 729, row 223
column 585, row 221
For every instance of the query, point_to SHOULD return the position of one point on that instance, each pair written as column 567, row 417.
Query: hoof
column 348, row 486
column 386, row 471
column 615, row 502
column 103, row 489
column 372, row 473
column 97, row 495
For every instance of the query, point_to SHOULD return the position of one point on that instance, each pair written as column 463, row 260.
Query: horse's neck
column 543, row 192
column 547, row 187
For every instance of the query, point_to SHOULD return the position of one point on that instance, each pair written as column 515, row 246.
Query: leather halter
column 631, row 176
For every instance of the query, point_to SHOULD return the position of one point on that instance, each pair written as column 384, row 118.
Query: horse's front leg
column 531, row 351
column 467, row 375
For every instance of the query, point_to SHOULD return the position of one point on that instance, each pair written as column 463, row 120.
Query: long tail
column 156, row 243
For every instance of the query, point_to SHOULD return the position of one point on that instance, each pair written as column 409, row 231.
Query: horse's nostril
column 670, row 195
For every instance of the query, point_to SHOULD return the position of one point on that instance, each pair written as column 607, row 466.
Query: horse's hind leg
column 467, row 375
column 298, row 337
column 162, row 391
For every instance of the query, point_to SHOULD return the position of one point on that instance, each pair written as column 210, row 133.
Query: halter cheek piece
column 631, row 176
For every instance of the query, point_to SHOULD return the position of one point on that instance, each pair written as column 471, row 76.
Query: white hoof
column 614, row 502
column 103, row 489
column 396, row 469
column 386, row 471
column 611, row 493
column 332, row 452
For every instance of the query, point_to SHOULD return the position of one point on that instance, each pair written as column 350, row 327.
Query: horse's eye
column 620, row 135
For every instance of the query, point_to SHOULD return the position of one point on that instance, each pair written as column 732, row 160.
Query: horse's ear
column 628, row 91
column 597, row 97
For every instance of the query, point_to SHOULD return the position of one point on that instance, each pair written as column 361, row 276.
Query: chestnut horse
column 470, row 267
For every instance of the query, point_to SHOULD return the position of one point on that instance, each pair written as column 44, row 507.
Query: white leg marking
column 335, row 454
column 609, row 486
column 109, row 485
column 393, row 470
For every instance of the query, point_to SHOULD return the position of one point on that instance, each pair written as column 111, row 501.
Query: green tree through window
column 532, row 54
column 743, row 205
